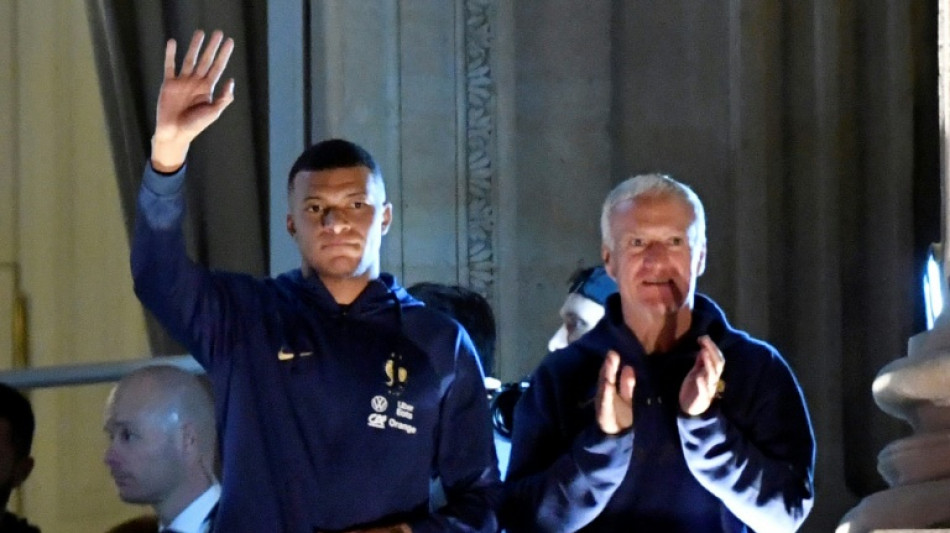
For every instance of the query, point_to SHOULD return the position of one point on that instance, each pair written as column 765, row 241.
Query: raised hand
column 186, row 102
column 614, row 402
column 702, row 382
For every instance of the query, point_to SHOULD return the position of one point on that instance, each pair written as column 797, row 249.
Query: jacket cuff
column 162, row 184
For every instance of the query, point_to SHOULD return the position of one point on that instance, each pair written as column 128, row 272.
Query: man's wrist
column 167, row 156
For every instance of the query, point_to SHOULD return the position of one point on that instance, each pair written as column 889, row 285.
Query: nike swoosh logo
column 284, row 356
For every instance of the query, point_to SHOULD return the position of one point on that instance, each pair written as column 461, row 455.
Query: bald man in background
column 162, row 442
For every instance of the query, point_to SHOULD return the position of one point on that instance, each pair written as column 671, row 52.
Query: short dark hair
column 468, row 308
column 16, row 409
column 331, row 154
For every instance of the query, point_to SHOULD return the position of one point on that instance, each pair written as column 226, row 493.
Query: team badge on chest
column 396, row 374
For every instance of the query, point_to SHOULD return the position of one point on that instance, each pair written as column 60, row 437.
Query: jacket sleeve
column 179, row 292
column 763, row 473
column 557, row 481
column 465, row 462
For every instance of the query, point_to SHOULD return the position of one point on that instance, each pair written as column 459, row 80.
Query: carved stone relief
column 479, row 144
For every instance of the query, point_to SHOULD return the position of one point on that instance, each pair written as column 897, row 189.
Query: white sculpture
column 916, row 388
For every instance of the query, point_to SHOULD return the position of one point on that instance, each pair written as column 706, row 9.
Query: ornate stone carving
column 480, row 145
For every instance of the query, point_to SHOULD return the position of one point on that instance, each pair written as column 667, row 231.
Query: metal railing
column 84, row 374
column 23, row 376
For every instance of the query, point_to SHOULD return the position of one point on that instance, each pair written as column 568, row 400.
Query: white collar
column 194, row 518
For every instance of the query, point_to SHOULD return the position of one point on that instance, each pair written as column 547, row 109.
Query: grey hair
column 660, row 185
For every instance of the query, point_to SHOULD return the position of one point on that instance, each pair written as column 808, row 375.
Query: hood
column 612, row 333
column 380, row 294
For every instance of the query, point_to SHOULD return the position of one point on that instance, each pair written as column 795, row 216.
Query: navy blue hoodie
column 330, row 417
column 745, row 464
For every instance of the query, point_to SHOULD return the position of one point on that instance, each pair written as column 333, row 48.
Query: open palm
column 186, row 103
column 614, row 401
column 701, row 384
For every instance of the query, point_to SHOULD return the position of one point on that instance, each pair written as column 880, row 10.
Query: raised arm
column 186, row 102
column 174, row 288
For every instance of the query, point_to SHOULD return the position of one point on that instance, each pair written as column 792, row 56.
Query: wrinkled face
column 145, row 454
column 579, row 315
column 338, row 218
column 655, row 256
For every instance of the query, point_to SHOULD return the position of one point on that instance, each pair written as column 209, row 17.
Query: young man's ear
column 291, row 227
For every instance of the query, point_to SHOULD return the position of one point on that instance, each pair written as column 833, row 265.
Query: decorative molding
column 480, row 145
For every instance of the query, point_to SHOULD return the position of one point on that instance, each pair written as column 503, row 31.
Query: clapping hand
column 614, row 402
column 702, row 382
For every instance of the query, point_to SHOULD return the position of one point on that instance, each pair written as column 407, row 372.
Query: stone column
column 916, row 389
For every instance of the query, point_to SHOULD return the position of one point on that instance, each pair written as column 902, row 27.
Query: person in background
column 474, row 313
column 584, row 305
column 588, row 289
column 162, row 446
column 17, row 425
column 663, row 417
